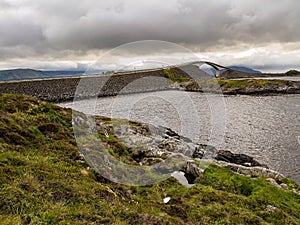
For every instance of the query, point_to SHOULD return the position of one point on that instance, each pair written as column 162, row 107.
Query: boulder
column 204, row 151
column 256, row 171
column 239, row 159
column 192, row 171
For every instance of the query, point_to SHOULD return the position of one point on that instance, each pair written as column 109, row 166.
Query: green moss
column 290, row 183
column 43, row 181
column 246, row 86
column 170, row 74
column 249, row 83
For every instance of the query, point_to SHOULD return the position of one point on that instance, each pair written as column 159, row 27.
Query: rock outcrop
column 256, row 171
column 239, row 159
column 151, row 146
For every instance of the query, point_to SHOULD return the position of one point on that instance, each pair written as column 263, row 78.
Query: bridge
column 217, row 67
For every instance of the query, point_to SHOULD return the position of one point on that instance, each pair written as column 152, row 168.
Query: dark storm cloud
column 57, row 28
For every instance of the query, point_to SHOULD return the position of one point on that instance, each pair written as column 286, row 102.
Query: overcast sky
column 56, row 34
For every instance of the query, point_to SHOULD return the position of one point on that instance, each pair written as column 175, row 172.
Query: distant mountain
column 58, row 73
column 24, row 74
column 212, row 71
column 243, row 69
column 20, row 74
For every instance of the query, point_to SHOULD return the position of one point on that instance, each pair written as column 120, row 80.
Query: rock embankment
column 65, row 89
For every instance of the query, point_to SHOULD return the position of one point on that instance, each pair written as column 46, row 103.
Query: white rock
column 255, row 171
column 296, row 192
column 178, row 175
column 273, row 182
column 271, row 208
column 166, row 200
column 284, row 186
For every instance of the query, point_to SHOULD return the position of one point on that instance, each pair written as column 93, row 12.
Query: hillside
column 28, row 74
column 293, row 73
column 44, row 180
column 244, row 69
column 243, row 87
column 235, row 73
column 20, row 74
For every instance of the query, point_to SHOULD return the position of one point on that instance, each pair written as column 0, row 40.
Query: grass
column 170, row 74
column 246, row 86
column 249, row 83
column 44, row 181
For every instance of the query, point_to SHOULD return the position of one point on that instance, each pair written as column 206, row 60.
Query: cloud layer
column 65, row 31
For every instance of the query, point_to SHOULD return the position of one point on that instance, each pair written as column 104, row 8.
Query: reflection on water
column 266, row 127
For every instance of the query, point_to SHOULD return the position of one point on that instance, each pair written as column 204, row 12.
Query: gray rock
column 240, row 159
column 166, row 151
column 180, row 176
column 273, row 182
column 296, row 191
column 256, row 171
column 205, row 151
column 198, row 153
column 158, row 142
column 192, row 171
column 284, row 186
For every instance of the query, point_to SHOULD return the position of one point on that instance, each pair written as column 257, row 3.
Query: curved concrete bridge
column 198, row 64
column 217, row 67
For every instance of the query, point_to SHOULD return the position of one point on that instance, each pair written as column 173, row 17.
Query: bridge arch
column 217, row 67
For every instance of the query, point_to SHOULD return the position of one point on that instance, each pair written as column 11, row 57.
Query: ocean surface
column 265, row 127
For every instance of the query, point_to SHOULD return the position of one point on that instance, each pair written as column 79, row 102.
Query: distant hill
column 24, row 74
column 20, row 74
column 58, row 73
column 293, row 73
column 243, row 69
column 212, row 71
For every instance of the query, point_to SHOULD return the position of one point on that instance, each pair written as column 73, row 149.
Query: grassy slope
column 293, row 73
column 247, row 86
column 43, row 181
column 256, row 84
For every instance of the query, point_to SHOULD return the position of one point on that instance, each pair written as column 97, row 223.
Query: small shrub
column 16, row 139
column 49, row 128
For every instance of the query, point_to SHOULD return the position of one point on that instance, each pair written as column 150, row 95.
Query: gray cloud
column 60, row 29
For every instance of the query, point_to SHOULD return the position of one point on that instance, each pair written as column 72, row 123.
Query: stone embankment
column 65, row 89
